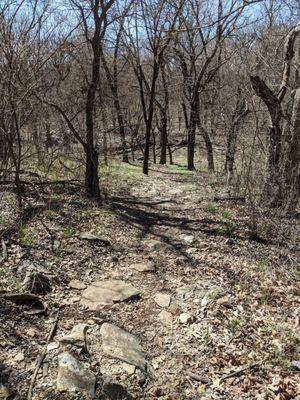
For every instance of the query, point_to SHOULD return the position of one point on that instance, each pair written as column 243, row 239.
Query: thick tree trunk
column 191, row 133
column 292, row 166
column 92, row 158
column 209, row 150
column 191, row 144
column 272, row 193
column 91, row 174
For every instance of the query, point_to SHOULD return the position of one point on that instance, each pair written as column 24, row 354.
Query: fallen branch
column 239, row 372
column 207, row 382
column 41, row 357
column 75, row 182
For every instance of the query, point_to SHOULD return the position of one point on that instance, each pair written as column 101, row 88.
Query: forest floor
column 217, row 319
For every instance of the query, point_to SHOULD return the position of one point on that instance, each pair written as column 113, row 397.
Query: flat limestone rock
column 143, row 267
column 162, row 299
column 73, row 377
column 107, row 292
column 122, row 345
column 76, row 284
column 77, row 336
column 166, row 318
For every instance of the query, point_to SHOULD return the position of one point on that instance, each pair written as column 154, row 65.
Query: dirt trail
column 232, row 305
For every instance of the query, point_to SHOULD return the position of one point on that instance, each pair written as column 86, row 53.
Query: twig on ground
column 207, row 382
column 42, row 356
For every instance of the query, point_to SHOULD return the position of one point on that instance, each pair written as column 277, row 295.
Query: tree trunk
column 191, row 135
column 272, row 193
column 292, row 166
column 91, row 174
column 209, row 150
column 154, row 146
column 170, row 154
column 163, row 138
column 230, row 152
column 92, row 157
column 122, row 132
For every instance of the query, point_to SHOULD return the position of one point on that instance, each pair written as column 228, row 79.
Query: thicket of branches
column 89, row 80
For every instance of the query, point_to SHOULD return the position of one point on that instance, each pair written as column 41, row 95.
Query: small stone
column 94, row 238
column 188, row 238
column 76, row 284
column 175, row 308
column 162, row 299
column 77, row 336
column 130, row 369
column 156, row 245
column 52, row 346
column 114, row 391
column 166, row 317
column 122, row 345
column 31, row 332
column 73, row 377
column 185, row 318
column 19, row 357
column 191, row 250
column 143, row 267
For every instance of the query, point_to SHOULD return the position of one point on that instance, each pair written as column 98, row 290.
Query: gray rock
column 185, row 318
column 76, row 284
column 114, row 391
column 107, row 292
column 175, row 191
column 166, row 317
column 77, row 336
column 156, row 245
column 143, row 267
column 93, row 238
column 188, row 238
column 73, row 377
column 162, row 299
column 122, row 345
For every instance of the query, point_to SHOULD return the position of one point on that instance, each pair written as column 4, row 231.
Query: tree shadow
column 146, row 215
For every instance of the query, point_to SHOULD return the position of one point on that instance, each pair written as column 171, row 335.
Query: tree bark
column 292, row 166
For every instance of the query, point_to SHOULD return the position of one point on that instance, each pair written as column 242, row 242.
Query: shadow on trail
column 147, row 217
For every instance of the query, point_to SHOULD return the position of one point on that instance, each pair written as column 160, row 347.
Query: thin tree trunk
column 170, row 154
column 163, row 138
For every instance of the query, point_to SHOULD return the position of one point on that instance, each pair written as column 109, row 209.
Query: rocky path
column 158, row 298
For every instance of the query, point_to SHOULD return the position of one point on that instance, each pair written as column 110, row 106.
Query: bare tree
column 273, row 194
column 158, row 20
